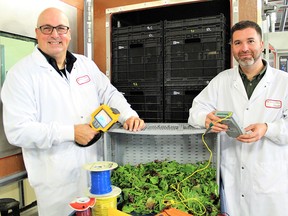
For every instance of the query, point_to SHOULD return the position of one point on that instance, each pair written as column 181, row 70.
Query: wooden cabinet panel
column 11, row 165
column 248, row 10
column 79, row 4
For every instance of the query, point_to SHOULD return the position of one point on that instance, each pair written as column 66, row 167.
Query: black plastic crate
column 137, row 28
column 186, row 58
column 182, row 44
column 138, row 85
column 183, row 69
column 189, row 81
column 199, row 21
column 147, row 101
column 137, row 40
column 151, row 116
column 140, row 57
column 194, row 30
column 216, row 36
column 207, row 74
column 178, row 101
column 209, row 46
column 136, row 36
column 190, row 70
column 124, row 71
column 197, row 81
column 147, row 48
column 214, row 55
column 197, row 41
column 144, row 97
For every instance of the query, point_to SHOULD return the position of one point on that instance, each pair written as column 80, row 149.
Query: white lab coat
column 255, row 175
column 40, row 109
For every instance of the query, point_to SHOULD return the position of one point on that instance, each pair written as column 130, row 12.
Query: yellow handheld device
column 103, row 118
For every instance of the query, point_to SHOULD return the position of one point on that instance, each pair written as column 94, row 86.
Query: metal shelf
column 160, row 129
column 161, row 141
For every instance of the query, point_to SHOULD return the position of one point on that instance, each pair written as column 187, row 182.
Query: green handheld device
column 229, row 119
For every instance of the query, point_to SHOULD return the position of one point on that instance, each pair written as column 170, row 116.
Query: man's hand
column 254, row 133
column 211, row 121
column 83, row 134
column 134, row 124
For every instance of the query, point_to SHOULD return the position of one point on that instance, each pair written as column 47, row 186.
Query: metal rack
column 161, row 141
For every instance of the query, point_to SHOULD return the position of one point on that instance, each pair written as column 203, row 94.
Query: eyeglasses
column 47, row 29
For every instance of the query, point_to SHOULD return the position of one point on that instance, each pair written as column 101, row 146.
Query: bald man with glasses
column 48, row 98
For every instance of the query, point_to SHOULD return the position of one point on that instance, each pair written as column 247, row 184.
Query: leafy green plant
column 151, row 187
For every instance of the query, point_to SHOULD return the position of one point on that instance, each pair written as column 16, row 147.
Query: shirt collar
column 70, row 60
column 258, row 76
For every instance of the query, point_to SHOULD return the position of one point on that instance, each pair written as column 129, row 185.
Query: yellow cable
column 177, row 189
column 221, row 119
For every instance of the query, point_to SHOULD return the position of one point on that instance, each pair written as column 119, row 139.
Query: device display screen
column 103, row 118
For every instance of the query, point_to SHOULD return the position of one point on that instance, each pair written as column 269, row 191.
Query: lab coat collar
column 41, row 59
column 237, row 82
column 268, row 78
column 70, row 59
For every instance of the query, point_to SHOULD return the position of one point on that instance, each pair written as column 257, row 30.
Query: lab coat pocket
column 270, row 177
column 63, row 168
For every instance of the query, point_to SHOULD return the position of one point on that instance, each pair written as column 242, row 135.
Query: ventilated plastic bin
column 199, row 21
column 178, row 101
column 137, row 28
column 146, row 100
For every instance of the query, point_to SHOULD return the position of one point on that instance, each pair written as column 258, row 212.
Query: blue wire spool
column 100, row 173
column 100, row 182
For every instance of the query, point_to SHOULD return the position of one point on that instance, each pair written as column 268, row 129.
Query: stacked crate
column 137, row 68
column 195, row 50
column 161, row 67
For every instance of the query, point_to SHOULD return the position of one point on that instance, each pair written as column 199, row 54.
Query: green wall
column 13, row 48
